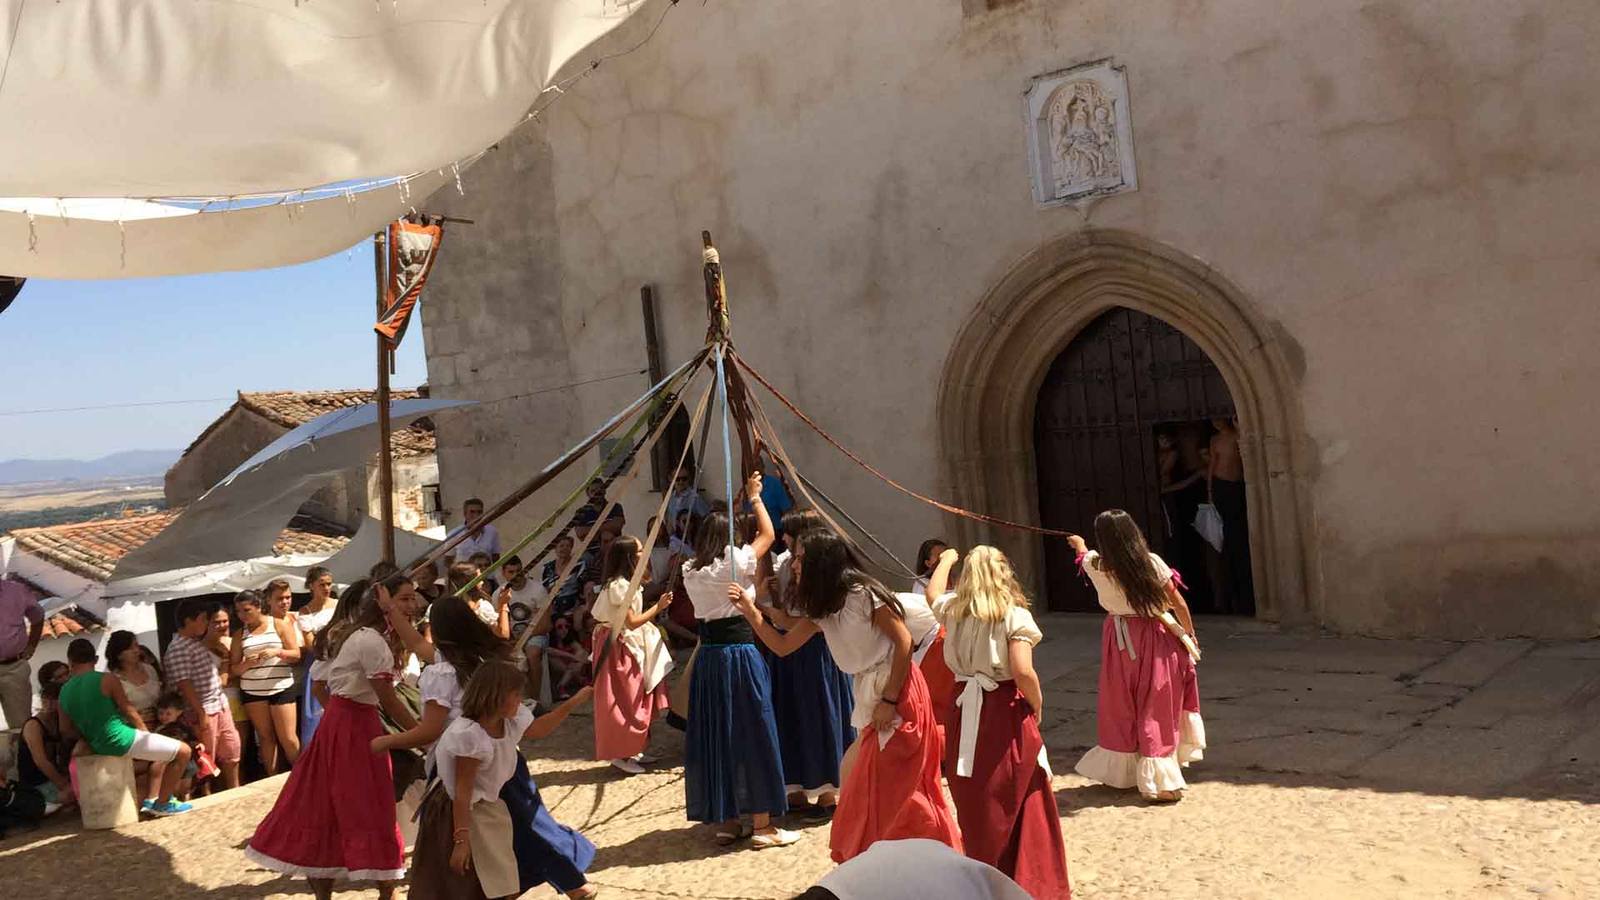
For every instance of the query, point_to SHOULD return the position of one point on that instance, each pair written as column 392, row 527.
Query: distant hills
column 127, row 464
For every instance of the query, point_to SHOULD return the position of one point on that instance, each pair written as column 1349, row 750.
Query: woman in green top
column 95, row 707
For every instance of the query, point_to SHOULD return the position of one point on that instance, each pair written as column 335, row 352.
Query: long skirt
column 547, row 851
column 732, row 766
column 1148, row 712
column 811, row 702
column 942, row 688
column 335, row 817
column 1008, row 812
column 623, row 709
column 892, row 792
column 431, row 875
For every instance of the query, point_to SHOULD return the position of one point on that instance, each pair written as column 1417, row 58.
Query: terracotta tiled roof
column 71, row 622
column 291, row 409
column 92, row 549
column 294, row 408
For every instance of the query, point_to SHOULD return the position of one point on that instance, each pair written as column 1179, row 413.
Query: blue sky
column 98, row 343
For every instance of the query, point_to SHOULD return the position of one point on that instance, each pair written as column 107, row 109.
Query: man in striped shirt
column 191, row 670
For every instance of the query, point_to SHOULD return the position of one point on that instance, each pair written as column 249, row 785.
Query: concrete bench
column 105, row 786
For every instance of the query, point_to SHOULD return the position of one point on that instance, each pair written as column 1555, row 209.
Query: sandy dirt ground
column 1318, row 783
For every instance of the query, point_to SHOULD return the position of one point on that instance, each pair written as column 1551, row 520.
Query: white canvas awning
column 236, row 522
column 241, row 98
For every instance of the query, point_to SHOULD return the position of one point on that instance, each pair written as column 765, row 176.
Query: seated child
column 169, row 712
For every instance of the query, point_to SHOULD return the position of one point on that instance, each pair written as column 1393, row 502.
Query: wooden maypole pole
column 385, row 450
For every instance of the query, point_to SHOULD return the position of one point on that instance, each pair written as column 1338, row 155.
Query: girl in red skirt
column 334, row 818
column 994, row 758
column 1148, row 713
column 629, row 687
column 890, row 775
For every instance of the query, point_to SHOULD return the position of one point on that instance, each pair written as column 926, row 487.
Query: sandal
column 725, row 837
column 778, row 838
column 1164, row 797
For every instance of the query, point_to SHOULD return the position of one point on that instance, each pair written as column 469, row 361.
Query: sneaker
column 629, row 766
column 167, row 808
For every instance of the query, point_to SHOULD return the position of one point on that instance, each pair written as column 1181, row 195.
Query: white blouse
column 979, row 655
column 496, row 756
column 1108, row 592
column 975, row 647
column 856, row 644
column 708, row 587
column 611, row 608
column 785, row 573
column 314, row 622
column 920, row 621
column 364, row 655
column 861, row 651
column 440, row 685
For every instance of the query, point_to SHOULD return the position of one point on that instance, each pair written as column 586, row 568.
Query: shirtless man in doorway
column 1225, row 490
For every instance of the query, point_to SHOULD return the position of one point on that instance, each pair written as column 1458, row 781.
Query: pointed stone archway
column 999, row 359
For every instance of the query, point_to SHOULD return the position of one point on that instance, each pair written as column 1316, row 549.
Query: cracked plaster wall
column 1406, row 190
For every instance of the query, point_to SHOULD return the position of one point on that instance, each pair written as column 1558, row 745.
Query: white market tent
column 163, row 137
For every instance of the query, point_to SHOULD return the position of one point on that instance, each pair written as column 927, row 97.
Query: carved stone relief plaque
column 1080, row 134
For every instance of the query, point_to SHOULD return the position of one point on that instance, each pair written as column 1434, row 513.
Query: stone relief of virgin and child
column 1084, row 151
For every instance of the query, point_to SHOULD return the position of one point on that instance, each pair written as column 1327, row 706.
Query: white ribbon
column 1124, row 640
column 971, row 702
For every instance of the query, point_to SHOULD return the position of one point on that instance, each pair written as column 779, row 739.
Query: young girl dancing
column 465, row 843
column 545, row 850
column 629, row 688
column 335, row 816
column 890, row 775
column 1148, row 712
column 994, row 757
column 731, row 766
column 811, row 698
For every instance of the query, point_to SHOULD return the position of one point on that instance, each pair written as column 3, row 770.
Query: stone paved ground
column 1338, row 768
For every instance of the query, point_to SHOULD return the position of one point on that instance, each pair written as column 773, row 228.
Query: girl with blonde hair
column 994, row 755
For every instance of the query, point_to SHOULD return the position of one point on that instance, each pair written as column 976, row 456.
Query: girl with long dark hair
column 811, row 697
column 994, row 755
column 890, row 775
column 1148, row 712
column 629, row 686
column 732, row 765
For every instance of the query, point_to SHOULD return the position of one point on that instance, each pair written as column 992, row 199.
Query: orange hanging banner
column 413, row 246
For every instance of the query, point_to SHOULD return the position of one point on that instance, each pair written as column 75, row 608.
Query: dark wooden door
column 1094, row 431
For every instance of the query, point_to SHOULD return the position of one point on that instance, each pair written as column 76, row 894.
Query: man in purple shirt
column 21, row 624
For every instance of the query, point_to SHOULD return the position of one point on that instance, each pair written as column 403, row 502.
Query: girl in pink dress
column 1148, row 712
column 629, row 687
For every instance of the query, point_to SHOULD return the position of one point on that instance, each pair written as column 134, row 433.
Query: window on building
column 432, row 505
column 669, row 448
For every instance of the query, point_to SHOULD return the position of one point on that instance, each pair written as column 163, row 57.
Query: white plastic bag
column 1208, row 522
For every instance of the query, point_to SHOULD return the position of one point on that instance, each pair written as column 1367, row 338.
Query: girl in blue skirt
column 811, row 698
column 546, row 850
column 732, row 765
